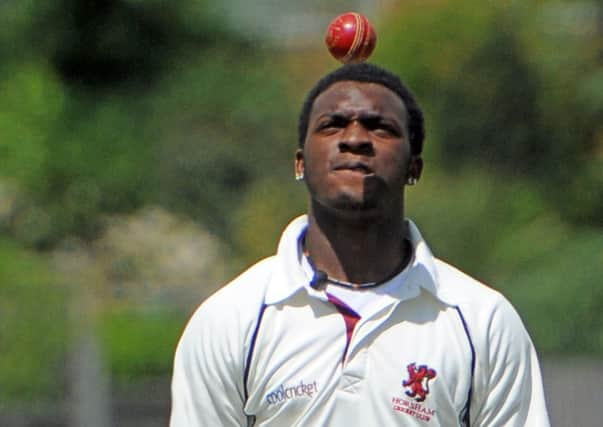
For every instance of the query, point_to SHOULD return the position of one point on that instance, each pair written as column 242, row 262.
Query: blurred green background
column 146, row 153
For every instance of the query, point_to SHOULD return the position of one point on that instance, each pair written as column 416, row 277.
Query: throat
column 356, row 256
column 321, row 278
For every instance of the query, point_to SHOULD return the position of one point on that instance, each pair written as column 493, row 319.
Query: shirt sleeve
column 207, row 377
column 511, row 394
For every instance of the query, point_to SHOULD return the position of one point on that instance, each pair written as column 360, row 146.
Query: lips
column 355, row 166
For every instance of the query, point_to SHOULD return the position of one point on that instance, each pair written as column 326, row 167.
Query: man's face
column 356, row 156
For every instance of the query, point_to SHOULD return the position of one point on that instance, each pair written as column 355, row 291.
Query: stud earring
column 411, row 180
column 299, row 177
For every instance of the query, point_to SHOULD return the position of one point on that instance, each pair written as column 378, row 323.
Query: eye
column 382, row 128
column 331, row 124
column 387, row 130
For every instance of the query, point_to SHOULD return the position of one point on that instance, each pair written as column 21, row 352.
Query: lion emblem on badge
column 417, row 384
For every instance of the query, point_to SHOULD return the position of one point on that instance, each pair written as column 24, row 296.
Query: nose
column 356, row 139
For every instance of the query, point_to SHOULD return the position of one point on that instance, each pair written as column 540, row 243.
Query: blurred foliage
column 464, row 216
column 220, row 133
column 498, row 91
column 108, row 107
column 139, row 343
column 265, row 211
column 556, row 285
column 128, row 103
column 33, row 326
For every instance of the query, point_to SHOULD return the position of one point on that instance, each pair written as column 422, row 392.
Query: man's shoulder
column 248, row 286
column 451, row 285
column 483, row 307
column 460, row 286
column 471, row 295
column 219, row 331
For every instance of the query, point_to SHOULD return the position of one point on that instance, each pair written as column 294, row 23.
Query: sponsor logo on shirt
column 284, row 393
column 416, row 386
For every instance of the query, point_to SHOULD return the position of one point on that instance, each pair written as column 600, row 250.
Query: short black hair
column 367, row 73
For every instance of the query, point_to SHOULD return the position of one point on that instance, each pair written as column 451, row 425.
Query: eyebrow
column 364, row 117
column 348, row 116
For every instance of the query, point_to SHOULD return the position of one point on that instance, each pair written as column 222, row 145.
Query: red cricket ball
column 351, row 37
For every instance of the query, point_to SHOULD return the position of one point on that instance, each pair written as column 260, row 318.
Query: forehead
column 351, row 97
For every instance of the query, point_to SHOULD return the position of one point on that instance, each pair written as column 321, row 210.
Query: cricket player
column 354, row 322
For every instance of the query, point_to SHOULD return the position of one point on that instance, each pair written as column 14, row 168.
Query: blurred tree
column 108, row 43
column 140, row 344
column 506, row 87
column 487, row 112
column 265, row 211
column 33, row 326
column 133, row 102
column 220, row 132
column 564, row 42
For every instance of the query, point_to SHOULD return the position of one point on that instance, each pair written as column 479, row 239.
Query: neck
column 356, row 251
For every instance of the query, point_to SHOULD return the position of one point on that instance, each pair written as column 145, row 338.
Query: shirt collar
column 289, row 277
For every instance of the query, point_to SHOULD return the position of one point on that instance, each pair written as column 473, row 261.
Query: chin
column 355, row 204
column 356, row 209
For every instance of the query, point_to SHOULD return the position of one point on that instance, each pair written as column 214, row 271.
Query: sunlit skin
column 356, row 161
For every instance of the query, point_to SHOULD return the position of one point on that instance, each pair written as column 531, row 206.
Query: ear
column 299, row 162
column 415, row 168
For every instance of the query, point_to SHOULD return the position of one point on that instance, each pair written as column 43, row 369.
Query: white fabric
column 296, row 375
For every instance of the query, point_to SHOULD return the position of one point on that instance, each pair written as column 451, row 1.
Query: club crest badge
column 416, row 389
column 417, row 383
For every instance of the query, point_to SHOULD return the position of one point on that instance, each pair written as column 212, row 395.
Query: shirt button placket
column 353, row 371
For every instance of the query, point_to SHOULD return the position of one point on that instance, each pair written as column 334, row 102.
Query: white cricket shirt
column 441, row 350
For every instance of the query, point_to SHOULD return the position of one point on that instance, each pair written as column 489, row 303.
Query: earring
column 411, row 180
column 299, row 177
